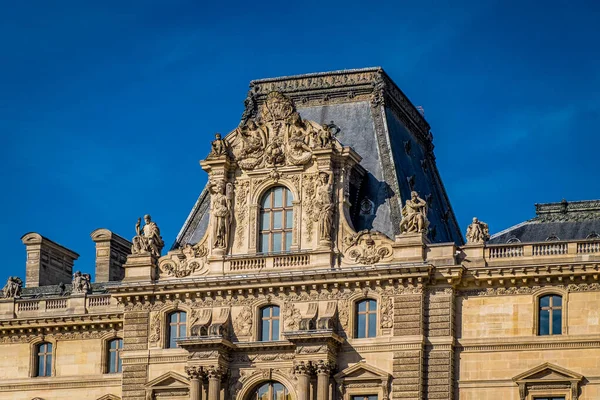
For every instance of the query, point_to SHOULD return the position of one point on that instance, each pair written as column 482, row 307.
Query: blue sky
column 106, row 107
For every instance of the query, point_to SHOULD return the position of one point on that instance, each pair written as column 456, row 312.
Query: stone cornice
column 54, row 382
column 510, row 344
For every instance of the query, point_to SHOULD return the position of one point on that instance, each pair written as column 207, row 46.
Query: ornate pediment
column 169, row 380
column 109, row 397
column 548, row 376
column 185, row 261
column 278, row 137
column 362, row 372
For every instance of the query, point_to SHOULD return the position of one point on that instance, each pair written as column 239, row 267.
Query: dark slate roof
column 395, row 146
column 565, row 220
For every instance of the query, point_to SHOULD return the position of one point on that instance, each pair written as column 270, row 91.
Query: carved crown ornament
column 278, row 136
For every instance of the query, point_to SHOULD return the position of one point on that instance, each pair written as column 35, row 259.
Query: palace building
column 322, row 261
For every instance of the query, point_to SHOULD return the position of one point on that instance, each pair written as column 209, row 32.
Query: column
column 214, row 382
column 323, row 371
column 302, row 371
column 196, row 375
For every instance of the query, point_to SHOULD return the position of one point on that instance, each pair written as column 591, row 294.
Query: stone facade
column 302, row 290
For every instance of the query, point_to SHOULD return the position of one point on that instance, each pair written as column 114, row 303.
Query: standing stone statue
column 478, row 232
column 414, row 215
column 148, row 239
column 324, row 205
column 221, row 201
column 13, row 287
column 82, row 283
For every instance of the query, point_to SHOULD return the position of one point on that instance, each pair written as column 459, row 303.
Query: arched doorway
column 271, row 390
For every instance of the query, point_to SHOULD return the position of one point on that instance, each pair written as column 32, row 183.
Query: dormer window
column 276, row 220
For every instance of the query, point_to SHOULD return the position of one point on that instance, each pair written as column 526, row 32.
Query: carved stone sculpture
column 367, row 247
column 414, row 215
column 218, row 147
column 13, row 287
column 148, row 239
column 291, row 317
column 478, row 232
column 221, row 204
column 324, row 205
column 243, row 323
column 82, row 283
column 188, row 260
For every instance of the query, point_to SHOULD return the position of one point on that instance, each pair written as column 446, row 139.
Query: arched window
column 177, row 328
column 276, row 220
column 366, row 319
column 113, row 359
column 269, row 323
column 270, row 391
column 550, row 315
column 44, row 359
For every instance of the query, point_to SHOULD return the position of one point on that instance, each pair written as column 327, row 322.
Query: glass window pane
column 278, row 199
column 265, row 330
column 556, row 322
column 112, row 362
column 181, row 331
column 113, row 344
column 361, row 322
column 172, row 336
column 40, row 366
column 275, row 333
column 183, row 316
column 556, row 301
column 264, row 242
column 173, row 317
column 120, row 365
column 544, row 322
column 263, row 391
column 48, row 365
column 289, row 219
column 362, row 306
column 275, row 311
column 372, row 305
column 276, row 243
column 288, row 241
column 288, row 198
column 266, row 203
column 277, row 220
column 266, row 312
column 545, row 301
column 372, row 325
column 265, row 221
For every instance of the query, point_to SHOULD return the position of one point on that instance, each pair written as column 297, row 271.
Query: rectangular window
column 549, row 398
column 365, row 397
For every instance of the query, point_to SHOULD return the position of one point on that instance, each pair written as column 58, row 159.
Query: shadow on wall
column 373, row 194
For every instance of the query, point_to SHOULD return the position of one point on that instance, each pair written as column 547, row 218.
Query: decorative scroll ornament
column 414, row 215
column 154, row 328
column 278, row 136
column 13, row 287
column 368, row 247
column 387, row 312
column 185, row 261
column 241, row 211
column 478, row 232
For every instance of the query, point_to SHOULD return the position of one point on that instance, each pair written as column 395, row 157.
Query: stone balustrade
column 31, row 308
column 269, row 262
column 534, row 252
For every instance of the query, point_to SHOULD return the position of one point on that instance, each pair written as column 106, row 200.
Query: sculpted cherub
column 219, row 146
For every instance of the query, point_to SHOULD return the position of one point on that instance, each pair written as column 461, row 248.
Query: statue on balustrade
column 148, row 239
column 414, row 215
column 82, row 283
column 221, row 204
column 13, row 287
column 478, row 232
column 324, row 205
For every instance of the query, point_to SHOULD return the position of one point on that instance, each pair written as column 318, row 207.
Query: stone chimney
column 48, row 263
column 111, row 253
